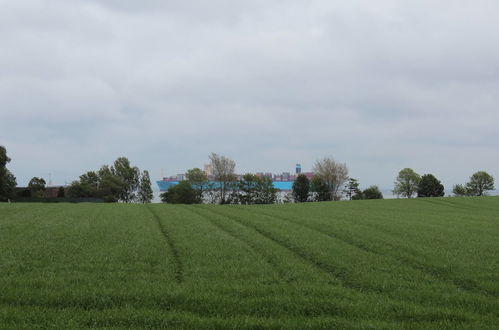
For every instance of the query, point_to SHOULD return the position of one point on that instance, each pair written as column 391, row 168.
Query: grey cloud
column 379, row 85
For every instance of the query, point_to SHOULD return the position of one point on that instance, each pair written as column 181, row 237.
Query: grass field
column 425, row 263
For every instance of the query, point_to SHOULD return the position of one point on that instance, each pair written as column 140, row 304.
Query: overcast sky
column 379, row 85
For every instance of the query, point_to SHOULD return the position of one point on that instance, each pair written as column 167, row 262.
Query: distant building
column 208, row 169
column 282, row 181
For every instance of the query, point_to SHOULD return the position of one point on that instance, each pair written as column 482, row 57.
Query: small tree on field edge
column 301, row 188
column 430, row 186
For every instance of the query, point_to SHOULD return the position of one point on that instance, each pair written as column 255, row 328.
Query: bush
column 182, row 193
column 372, row 192
column 301, row 188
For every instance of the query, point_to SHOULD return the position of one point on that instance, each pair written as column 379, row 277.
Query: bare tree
column 224, row 173
column 333, row 173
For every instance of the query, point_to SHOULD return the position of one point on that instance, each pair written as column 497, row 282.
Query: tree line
column 122, row 182
column 408, row 183
column 330, row 182
column 119, row 182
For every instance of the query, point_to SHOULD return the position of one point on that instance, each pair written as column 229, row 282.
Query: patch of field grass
column 423, row 263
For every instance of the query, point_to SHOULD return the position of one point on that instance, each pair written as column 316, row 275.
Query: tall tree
column 129, row 176
column 111, row 186
column 333, row 173
column 372, row 192
column 247, row 189
column 460, row 190
column 199, row 181
column 480, row 182
column 266, row 193
column 145, row 194
column 406, row 183
column 430, row 186
column 224, row 173
column 352, row 188
column 319, row 189
column 301, row 188
column 7, row 179
column 181, row 193
column 37, row 187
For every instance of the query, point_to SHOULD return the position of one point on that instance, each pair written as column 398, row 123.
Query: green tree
column 430, row 186
column 129, row 176
column 224, row 173
column 480, row 182
column 145, row 194
column 89, row 185
column 252, row 189
column 266, row 193
column 247, row 189
column 372, row 192
column 301, row 188
column 37, row 187
column 90, row 178
column 334, row 175
column 111, row 186
column 181, row 193
column 7, row 179
column 352, row 188
column 406, row 183
column 460, row 190
column 199, row 181
column 320, row 189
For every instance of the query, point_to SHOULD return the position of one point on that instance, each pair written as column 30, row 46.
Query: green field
column 422, row 263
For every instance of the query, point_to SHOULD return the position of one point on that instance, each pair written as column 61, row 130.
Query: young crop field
column 384, row 264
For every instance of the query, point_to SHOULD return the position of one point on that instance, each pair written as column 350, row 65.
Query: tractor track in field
column 438, row 273
column 252, row 247
column 337, row 273
column 178, row 265
column 453, row 205
column 330, row 235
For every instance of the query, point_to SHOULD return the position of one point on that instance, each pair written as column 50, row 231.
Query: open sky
column 380, row 85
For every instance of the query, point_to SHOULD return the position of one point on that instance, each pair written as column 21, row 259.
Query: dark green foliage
column 145, row 195
column 320, row 189
column 111, row 186
column 199, row 181
column 265, row 191
column 460, row 190
column 301, row 188
column 181, row 193
column 119, row 182
column 358, row 196
column 7, row 179
column 61, row 192
column 22, row 192
column 372, row 192
column 480, row 183
column 352, row 189
column 247, row 189
column 406, row 183
column 129, row 177
column 430, row 186
column 37, row 187
column 252, row 189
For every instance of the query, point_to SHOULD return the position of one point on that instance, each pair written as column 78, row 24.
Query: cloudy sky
column 379, row 85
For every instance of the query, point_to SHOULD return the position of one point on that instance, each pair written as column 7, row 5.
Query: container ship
column 283, row 181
